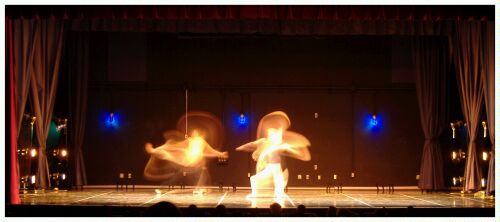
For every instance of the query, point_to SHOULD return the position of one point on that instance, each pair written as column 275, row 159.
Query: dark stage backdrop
column 141, row 76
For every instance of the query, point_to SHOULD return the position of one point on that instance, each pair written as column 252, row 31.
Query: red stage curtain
column 13, row 183
column 431, row 56
column 468, row 49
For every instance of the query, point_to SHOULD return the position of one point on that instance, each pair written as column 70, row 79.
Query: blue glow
column 242, row 120
column 373, row 122
column 111, row 120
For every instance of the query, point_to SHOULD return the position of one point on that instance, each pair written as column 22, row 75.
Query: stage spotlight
column 483, row 182
column 453, row 130
column 112, row 120
column 32, row 119
column 485, row 128
column 374, row 121
column 454, row 181
column 63, row 176
column 485, row 155
column 242, row 120
column 61, row 124
column 64, row 153
column 33, row 152
column 33, row 179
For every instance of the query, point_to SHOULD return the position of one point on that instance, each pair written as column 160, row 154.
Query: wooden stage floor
column 310, row 198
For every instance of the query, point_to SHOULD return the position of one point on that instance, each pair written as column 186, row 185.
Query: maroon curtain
column 488, row 78
column 13, row 183
column 256, row 12
column 468, row 49
column 46, row 65
column 24, row 41
column 432, row 64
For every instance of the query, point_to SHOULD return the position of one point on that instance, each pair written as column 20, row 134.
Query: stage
column 313, row 199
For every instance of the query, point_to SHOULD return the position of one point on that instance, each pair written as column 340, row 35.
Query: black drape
column 77, row 64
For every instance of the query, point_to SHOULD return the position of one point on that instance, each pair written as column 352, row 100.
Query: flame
column 274, row 141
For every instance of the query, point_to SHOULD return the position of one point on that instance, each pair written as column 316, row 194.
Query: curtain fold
column 467, row 48
column 431, row 60
column 46, row 65
column 78, row 70
column 13, row 184
column 488, row 77
column 24, row 41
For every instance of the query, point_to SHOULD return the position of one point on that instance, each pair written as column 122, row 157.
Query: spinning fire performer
column 186, row 152
column 274, row 141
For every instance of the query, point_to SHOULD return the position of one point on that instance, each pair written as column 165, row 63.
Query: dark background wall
column 344, row 79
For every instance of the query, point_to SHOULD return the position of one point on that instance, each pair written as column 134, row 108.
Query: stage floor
column 310, row 198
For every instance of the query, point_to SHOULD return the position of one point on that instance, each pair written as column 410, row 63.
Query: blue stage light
column 112, row 120
column 374, row 121
column 242, row 120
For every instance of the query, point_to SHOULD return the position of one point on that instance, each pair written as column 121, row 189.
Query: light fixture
column 485, row 128
column 33, row 153
column 63, row 176
column 457, row 156
column 299, row 177
column 307, row 177
column 33, row 179
column 453, row 130
column 64, row 153
column 32, row 119
column 242, row 119
column 454, row 181
column 319, row 177
column 483, row 182
column 334, row 176
column 111, row 118
column 485, row 155
column 374, row 120
column 61, row 124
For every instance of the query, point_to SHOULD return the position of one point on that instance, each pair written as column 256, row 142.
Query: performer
column 274, row 141
column 186, row 152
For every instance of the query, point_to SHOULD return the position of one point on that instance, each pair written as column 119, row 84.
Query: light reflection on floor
column 310, row 198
